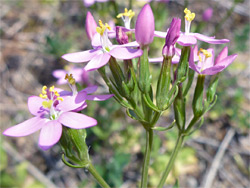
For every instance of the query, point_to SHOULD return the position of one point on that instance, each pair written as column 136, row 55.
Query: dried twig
column 211, row 173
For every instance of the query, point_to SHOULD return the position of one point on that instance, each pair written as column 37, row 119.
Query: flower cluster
column 130, row 84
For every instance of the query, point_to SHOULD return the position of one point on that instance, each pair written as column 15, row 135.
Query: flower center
column 189, row 16
column 203, row 58
column 102, row 30
column 72, row 83
column 126, row 17
column 51, row 96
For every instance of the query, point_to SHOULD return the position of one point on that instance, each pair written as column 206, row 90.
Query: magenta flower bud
column 171, row 38
column 145, row 26
column 207, row 14
column 121, row 36
column 90, row 25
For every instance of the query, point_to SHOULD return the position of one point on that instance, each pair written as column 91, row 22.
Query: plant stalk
column 171, row 161
column 97, row 177
column 149, row 142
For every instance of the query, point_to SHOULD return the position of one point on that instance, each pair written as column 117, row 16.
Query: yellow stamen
column 205, row 53
column 51, row 89
column 47, row 104
column 127, row 13
column 102, row 27
column 44, row 90
column 60, row 98
column 43, row 96
column 70, row 79
column 189, row 15
column 56, row 93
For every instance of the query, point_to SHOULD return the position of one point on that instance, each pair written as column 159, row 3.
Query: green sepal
column 164, row 128
column 163, row 83
column 145, row 78
column 116, row 72
column 130, row 82
column 126, row 91
column 189, row 82
column 180, row 110
column 197, row 103
column 183, row 64
column 150, row 103
column 211, row 90
column 74, row 146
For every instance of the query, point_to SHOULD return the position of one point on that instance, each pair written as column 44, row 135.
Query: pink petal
column 210, row 61
column 160, row 34
column 210, row 40
column 125, row 53
column 213, row 70
column 50, row 134
column 98, row 97
column 35, row 105
column 76, row 120
column 222, row 55
column 195, row 52
column 80, row 57
column 72, row 102
column 227, row 61
column 186, row 40
column 25, row 128
column 90, row 89
column 80, row 108
column 192, row 65
column 130, row 44
column 59, row 73
column 97, row 62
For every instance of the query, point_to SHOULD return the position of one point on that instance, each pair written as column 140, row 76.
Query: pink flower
column 80, row 75
column 145, row 26
column 88, row 3
column 187, row 38
column 51, row 112
column 103, row 50
column 207, row 14
column 206, row 64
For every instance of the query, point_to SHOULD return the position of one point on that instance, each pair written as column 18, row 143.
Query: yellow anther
column 189, row 15
column 47, row 104
column 60, row 98
column 205, row 53
column 43, row 96
column 44, row 90
column 56, row 93
column 51, row 89
column 102, row 27
column 70, row 79
column 127, row 13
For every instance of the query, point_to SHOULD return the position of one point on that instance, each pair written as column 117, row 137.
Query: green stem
column 97, row 177
column 171, row 161
column 149, row 142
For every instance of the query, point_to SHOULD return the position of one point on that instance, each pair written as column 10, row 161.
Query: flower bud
column 145, row 26
column 171, row 38
column 121, row 36
column 90, row 26
column 207, row 14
